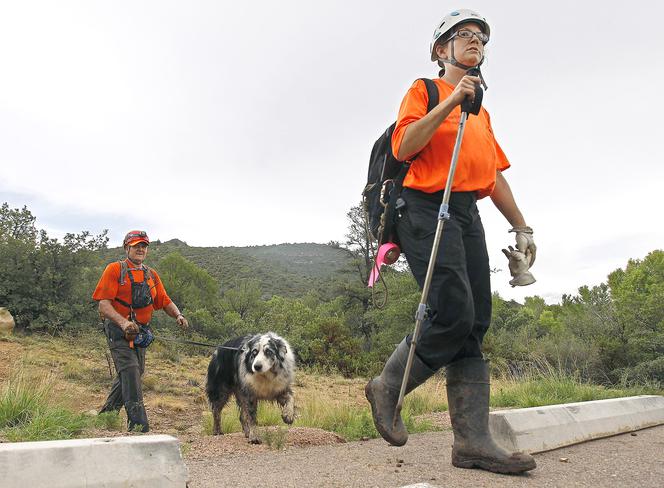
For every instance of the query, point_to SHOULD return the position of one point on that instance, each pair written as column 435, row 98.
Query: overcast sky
column 243, row 123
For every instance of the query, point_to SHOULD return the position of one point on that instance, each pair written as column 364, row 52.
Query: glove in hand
column 525, row 242
column 130, row 331
column 519, row 263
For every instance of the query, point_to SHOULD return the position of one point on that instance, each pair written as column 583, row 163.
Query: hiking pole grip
column 474, row 106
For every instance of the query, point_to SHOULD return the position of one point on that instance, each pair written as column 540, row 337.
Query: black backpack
column 385, row 179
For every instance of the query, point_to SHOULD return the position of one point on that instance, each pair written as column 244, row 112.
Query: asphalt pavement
column 626, row 460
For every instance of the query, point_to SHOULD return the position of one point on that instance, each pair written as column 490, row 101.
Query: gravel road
column 628, row 460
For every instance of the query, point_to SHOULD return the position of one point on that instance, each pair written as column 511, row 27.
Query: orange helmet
column 133, row 237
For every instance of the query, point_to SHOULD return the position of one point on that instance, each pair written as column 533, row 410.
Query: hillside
column 281, row 269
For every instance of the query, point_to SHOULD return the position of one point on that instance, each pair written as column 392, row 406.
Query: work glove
column 130, row 331
column 519, row 262
column 525, row 242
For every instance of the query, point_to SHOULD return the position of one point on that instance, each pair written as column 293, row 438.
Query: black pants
column 460, row 295
column 127, row 389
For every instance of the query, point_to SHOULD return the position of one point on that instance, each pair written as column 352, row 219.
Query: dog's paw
column 254, row 440
column 288, row 418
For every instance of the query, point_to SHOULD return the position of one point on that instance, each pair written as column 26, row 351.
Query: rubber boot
column 383, row 393
column 468, row 400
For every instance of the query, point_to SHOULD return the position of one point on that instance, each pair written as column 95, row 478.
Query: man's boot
column 383, row 393
column 468, row 400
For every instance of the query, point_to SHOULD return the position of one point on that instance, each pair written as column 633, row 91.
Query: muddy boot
column 383, row 393
column 468, row 399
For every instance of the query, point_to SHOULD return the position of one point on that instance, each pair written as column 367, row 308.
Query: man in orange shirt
column 128, row 292
column 459, row 301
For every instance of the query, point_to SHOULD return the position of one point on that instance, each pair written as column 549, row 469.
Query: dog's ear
column 249, row 343
column 280, row 347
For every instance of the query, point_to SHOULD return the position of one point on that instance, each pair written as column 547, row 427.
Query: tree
column 17, row 224
column 244, row 299
column 190, row 286
column 356, row 296
column 359, row 244
column 40, row 278
column 193, row 289
column 637, row 293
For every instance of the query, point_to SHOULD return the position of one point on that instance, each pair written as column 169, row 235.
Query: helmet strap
column 453, row 61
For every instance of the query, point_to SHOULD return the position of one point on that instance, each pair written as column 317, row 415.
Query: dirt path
column 627, row 460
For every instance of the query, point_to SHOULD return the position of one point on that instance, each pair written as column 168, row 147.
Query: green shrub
column 109, row 421
column 274, row 437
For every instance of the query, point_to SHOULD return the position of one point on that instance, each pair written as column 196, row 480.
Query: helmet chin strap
column 465, row 67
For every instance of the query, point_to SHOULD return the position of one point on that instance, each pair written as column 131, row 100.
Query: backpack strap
column 148, row 271
column 432, row 102
column 123, row 271
column 432, row 92
column 395, row 194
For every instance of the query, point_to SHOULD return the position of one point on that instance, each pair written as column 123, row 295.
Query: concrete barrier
column 540, row 429
column 147, row 461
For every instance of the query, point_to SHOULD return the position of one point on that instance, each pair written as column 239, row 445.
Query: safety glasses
column 468, row 34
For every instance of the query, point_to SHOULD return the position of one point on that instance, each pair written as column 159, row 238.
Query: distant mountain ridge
column 281, row 269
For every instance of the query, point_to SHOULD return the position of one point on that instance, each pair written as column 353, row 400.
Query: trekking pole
column 443, row 215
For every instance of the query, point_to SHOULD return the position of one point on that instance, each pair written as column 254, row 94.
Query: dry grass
column 174, row 389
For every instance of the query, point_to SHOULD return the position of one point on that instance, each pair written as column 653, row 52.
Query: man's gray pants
column 127, row 389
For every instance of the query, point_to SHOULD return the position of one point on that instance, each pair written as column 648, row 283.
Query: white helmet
column 453, row 19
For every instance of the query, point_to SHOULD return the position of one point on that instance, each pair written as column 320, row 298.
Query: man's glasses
column 468, row 34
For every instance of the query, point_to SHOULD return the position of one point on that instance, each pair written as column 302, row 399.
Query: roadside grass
column 542, row 384
column 43, row 394
column 350, row 421
column 21, row 397
column 29, row 411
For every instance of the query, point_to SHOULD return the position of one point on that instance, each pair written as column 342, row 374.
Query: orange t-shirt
column 480, row 155
column 109, row 288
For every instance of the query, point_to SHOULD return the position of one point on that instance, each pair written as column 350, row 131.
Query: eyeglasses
column 468, row 34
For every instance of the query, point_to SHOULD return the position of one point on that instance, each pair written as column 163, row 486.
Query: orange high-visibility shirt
column 479, row 158
column 109, row 288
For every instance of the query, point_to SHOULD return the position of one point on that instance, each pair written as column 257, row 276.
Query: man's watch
column 179, row 315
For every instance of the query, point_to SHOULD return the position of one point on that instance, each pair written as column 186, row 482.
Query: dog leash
column 194, row 343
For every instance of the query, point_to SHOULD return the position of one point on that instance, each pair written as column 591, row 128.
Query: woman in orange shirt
column 459, row 302
column 128, row 292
